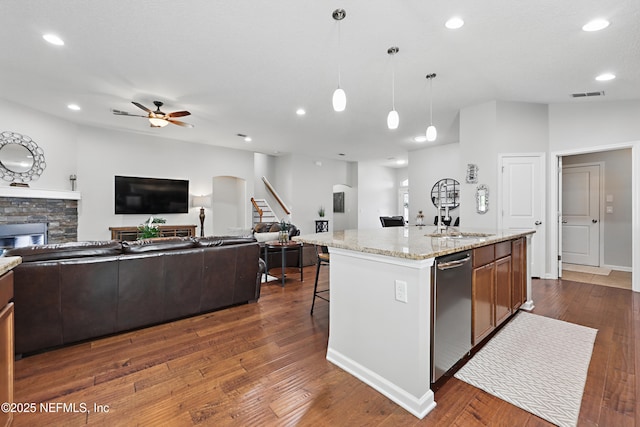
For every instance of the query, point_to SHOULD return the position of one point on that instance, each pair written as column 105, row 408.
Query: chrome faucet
column 441, row 226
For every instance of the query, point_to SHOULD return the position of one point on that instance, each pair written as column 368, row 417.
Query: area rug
column 536, row 363
column 586, row 269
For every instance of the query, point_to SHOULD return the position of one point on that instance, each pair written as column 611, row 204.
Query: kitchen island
column 381, row 303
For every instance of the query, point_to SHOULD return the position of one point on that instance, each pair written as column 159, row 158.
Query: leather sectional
column 66, row 293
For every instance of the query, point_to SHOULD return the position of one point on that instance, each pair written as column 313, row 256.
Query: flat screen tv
column 135, row 195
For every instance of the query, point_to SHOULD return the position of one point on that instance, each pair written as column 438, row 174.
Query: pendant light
column 393, row 119
column 432, row 133
column 339, row 97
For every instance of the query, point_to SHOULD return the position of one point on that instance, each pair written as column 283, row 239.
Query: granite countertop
column 8, row 263
column 411, row 242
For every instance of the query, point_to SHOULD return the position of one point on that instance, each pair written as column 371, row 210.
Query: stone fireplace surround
column 57, row 209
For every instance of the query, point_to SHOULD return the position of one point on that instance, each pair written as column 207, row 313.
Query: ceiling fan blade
column 178, row 114
column 179, row 123
column 124, row 113
column 140, row 106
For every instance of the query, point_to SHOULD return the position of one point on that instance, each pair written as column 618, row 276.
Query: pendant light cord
column 339, row 54
column 393, row 84
column 431, row 101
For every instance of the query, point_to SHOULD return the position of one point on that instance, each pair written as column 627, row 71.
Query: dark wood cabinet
column 131, row 233
column 6, row 346
column 518, row 273
column 503, row 289
column 491, row 301
column 482, row 302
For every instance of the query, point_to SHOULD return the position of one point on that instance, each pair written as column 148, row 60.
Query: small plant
column 149, row 229
column 321, row 211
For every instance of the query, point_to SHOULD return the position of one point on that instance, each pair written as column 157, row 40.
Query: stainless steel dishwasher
column 451, row 312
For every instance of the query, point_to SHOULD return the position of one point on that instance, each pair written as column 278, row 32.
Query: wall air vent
column 585, row 94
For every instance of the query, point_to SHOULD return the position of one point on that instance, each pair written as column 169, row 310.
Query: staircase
column 267, row 212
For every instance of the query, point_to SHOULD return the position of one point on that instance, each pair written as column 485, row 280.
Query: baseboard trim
column 618, row 268
column 418, row 407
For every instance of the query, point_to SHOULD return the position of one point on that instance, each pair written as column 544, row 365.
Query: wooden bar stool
column 323, row 259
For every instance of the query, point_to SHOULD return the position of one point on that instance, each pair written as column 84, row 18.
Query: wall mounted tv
column 135, row 195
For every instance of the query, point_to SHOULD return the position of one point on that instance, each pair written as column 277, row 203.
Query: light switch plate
column 609, row 209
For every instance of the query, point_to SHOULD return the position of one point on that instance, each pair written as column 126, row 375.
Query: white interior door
column 581, row 215
column 523, row 202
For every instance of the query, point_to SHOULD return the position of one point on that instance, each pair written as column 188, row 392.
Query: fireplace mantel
column 26, row 193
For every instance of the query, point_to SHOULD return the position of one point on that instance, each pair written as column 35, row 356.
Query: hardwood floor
column 264, row 364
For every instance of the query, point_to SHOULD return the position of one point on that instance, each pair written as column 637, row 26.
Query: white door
column 581, row 215
column 523, row 189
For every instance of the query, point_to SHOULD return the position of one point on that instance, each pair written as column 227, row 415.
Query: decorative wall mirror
column 482, row 199
column 21, row 160
column 446, row 193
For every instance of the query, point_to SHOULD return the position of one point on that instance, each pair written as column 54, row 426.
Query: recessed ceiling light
column 605, row 77
column 454, row 23
column 420, row 138
column 301, row 112
column 595, row 25
column 53, row 39
column 74, row 107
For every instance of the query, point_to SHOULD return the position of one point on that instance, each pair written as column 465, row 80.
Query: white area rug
column 586, row 269
column 536, row 363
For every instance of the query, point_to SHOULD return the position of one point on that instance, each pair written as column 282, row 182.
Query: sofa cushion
column 55, row 251
column 264, row 227
column 206, row 242
column 266, row 237
column 157, row 244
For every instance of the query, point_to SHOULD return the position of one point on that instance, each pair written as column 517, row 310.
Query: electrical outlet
column 401, row 291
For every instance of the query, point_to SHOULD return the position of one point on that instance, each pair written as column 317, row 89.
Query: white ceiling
column 245, row 66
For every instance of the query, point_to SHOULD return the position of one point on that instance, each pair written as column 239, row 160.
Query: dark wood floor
column 264, row 364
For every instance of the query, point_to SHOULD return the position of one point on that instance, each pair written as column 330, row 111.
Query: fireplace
column 19, row 235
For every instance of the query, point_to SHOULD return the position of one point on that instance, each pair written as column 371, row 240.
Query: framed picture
column 338, row 202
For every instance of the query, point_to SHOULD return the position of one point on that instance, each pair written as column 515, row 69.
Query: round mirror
column 446, row 193
column 21, row 160
column 16, row 158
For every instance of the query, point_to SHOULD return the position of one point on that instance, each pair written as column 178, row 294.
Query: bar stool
column 323, row 259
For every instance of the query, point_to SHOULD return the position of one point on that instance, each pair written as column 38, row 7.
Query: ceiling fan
column 157, row 118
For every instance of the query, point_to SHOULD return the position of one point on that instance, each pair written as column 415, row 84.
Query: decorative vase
column 283, row 237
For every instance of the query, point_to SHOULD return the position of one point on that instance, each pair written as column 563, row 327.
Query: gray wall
column 617, row 183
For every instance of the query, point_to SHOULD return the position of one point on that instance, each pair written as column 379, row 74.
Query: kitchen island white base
column 382, row 341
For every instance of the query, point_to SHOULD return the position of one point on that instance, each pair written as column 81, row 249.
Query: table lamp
column 201, row 202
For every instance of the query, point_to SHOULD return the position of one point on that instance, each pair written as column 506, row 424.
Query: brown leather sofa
column 65, row 293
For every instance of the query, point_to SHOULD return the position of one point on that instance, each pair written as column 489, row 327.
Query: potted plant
column 321, row 212
column 149, row 229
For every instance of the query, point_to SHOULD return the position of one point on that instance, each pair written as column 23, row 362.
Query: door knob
column 564, row 222
column 538, row 222
column 594, row 221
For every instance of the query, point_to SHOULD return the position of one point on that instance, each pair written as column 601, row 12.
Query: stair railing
column 275, row 195
column 257, row 208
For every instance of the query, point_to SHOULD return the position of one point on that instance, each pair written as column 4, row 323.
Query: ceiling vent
column 585, row 94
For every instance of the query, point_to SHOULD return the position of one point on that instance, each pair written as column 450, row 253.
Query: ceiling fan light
column 432, row 133
column 339, row 100
column 393, row 120
column 158, row 123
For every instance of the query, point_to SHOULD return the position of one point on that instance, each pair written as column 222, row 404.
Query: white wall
column 57, row 138
column 490, row 129
column 305, row 184
column 426, row 166
column 581, row 125
column 377, row 194
column 103, row 154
